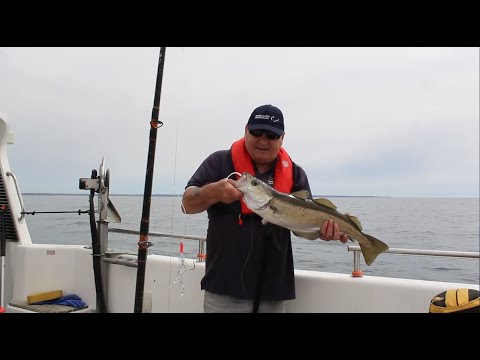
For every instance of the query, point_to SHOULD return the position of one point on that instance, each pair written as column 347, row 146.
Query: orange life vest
column 283, row 177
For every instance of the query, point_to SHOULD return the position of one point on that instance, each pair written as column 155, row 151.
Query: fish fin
column 355, row 220
column 307, row 235
column 325, row 202
column 302, row 194
column 371, row 253
column 264, row 221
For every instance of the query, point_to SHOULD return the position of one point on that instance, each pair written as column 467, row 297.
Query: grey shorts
column 215, row 303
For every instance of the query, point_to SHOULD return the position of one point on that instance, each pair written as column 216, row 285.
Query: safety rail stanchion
column 202, row 256
column 356, row 265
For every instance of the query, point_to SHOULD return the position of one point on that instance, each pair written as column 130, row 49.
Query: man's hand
column 196, row 199
column 331, row 231
column 227, row 191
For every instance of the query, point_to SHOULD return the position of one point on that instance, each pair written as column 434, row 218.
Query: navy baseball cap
column 267, row 117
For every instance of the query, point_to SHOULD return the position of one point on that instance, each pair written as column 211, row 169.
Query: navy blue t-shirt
column 239, row 256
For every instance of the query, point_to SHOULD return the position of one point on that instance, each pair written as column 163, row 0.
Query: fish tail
column 370, row 253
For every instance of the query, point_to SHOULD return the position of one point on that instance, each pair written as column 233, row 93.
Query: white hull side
column 69, row 268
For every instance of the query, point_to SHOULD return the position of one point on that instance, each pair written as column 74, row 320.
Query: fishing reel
column 100, row 184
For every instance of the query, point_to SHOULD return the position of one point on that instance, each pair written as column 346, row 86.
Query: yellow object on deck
column 44, row 296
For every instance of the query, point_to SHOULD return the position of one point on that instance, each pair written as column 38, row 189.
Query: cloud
column 361, row 121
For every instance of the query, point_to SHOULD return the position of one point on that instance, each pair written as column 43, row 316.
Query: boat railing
column 357, row 250
column 201, row 255
column 17, row 188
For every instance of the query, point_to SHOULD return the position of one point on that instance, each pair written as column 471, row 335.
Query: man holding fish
column 249, row 264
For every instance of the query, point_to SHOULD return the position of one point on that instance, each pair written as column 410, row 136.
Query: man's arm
column 197, row 199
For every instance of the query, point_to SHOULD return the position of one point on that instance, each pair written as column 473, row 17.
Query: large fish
column 303, row 216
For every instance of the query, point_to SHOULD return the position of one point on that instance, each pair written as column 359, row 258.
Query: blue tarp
column 68, row 300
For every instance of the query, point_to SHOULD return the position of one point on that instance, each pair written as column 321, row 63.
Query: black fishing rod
column 96, row 253
column 143, row 243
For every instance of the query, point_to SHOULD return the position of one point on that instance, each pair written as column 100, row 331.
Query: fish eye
column 254, row 182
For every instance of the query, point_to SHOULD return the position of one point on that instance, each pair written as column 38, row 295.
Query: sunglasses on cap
column 269, row 134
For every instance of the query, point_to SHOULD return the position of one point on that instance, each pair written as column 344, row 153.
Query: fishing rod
column 143, row 243
column 96, row 252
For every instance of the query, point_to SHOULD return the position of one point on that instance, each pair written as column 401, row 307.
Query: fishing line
column 249, row 251
column 234, row 173
column 182, row 266
column 246, row 261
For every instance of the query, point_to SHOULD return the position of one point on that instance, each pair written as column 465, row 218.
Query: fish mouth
column 242, row 183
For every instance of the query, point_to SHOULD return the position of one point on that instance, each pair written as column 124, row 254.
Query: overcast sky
column 400, row 122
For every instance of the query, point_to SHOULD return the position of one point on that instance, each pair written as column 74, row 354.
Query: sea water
column 413, row 223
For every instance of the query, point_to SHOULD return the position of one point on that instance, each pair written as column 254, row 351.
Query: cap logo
column 267, row 117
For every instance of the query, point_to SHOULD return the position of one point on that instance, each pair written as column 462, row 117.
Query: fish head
column 256, row 194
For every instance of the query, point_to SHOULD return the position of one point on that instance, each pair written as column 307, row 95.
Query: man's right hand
column 196, row 199
column 228, row 192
